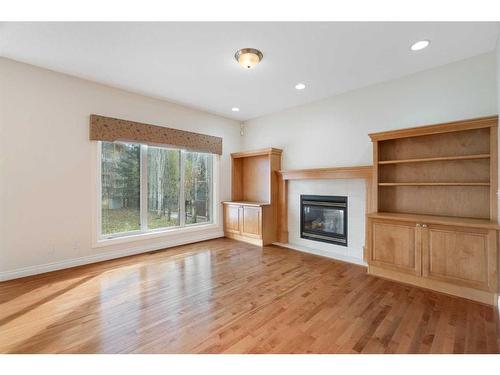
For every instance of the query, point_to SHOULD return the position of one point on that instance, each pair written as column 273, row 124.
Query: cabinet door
column 252, row 222
column 232, row 218
column 462, row 256
column 396, row 246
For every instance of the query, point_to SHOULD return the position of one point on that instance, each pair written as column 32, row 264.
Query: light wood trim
column 269, row 224
column 261, row 152
column 363, row 172
column 493, row 260
column 374, row 185
column 482, row 122
column 486, row 297
column 244, row 238
column 282, row 209
column 494, row 173
column 434, row 184
column 441, row 158
column 431, row 219
column 243, row 203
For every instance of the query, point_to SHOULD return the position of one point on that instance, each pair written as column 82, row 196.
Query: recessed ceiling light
column 235, row 109
column 248, row 57
column 300, row 86
column 421, row 44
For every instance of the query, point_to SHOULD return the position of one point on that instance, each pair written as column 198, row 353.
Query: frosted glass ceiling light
column 248, row 57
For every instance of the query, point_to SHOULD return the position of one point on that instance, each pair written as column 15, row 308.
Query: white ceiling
column 192, row 62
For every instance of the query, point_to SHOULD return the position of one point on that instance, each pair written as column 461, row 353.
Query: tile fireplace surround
column 354, row 190
column 352, row 182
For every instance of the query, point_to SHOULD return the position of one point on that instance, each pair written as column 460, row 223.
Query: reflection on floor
column 223, row 296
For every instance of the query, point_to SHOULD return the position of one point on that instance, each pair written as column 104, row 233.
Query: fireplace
column 324, row 218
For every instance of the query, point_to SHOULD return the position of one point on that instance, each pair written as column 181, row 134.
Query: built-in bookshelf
column 449, row 172
column 435, row 220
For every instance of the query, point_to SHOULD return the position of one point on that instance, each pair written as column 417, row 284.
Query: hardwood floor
column 223, row 296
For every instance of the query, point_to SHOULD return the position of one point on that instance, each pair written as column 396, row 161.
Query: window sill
column 154, row 234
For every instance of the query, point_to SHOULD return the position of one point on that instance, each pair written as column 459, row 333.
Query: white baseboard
column 48, row 267
column 323, row 253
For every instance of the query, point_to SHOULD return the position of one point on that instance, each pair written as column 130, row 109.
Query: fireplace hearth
column 324, row 218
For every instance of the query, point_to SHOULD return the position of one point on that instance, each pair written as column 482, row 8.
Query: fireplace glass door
column 324, row 218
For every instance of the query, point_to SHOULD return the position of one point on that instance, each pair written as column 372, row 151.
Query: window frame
column 101, row 239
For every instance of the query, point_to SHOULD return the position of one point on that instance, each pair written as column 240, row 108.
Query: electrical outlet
column 76, row 245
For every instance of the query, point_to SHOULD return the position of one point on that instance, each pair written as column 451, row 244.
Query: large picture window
column 146, row 188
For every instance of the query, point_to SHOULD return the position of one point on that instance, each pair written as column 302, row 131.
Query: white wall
column 334, row 131
column 47, row 165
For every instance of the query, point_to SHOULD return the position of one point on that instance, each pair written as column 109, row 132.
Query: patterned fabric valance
column 112, row 129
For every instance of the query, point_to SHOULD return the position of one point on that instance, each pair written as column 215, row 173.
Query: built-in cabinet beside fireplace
column 436, row 220
column 246, row 221
column 251, row 214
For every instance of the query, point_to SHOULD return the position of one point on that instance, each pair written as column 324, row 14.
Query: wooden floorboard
column 223, row 296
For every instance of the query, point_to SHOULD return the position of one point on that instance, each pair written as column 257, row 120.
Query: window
column 146, row 188
column 163, row 187
column 121, row 182
column 197, row 187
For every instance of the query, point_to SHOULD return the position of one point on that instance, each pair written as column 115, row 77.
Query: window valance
column 111, row 129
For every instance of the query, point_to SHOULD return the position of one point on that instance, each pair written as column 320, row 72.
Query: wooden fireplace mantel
column 364, row 172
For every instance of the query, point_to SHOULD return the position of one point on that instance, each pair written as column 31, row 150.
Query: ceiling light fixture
column 248, row 57
column 300, row 86
column 421, row 44
column 235, row 109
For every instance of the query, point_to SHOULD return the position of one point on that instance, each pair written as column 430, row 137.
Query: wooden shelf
column 441, row 158
column 434, row 184
column 360, row 171
column 434, row 219
column 246, row 203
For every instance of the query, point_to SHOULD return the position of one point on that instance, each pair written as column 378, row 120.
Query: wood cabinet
column 244, row 221
column 232, row 218
column 395, row 245
column 435, row 220
column 252, row 213
column 463, row 256
column 252, row 221
column 436, row 256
